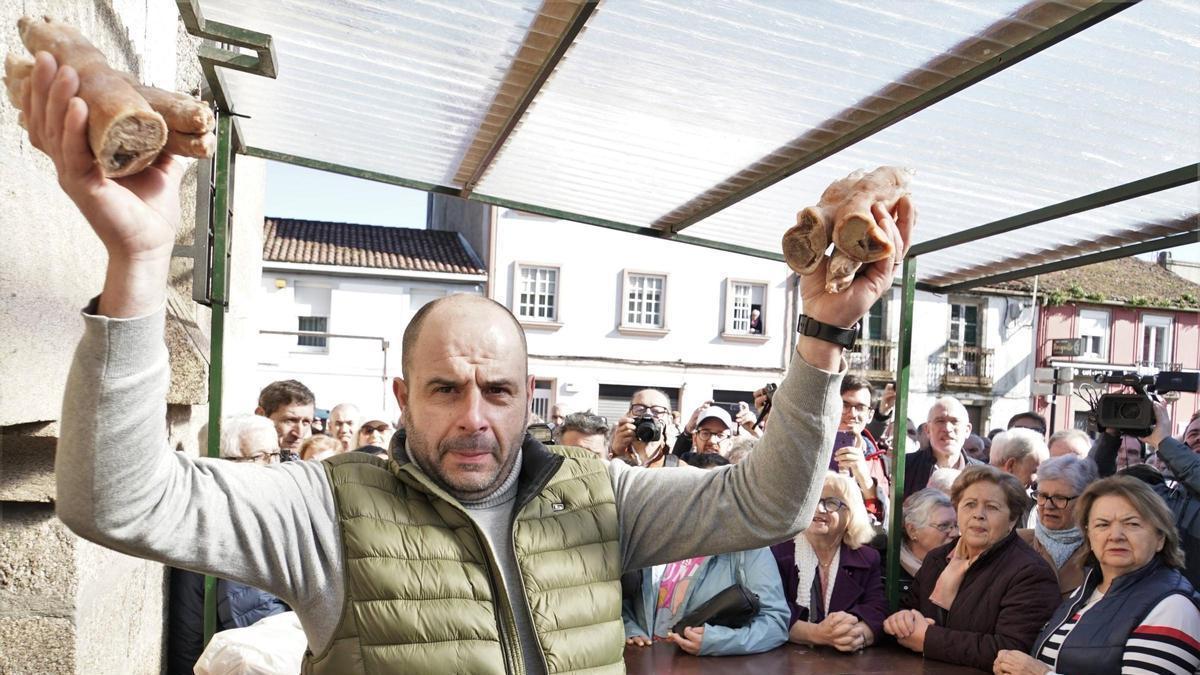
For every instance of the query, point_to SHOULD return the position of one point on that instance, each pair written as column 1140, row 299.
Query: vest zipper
column 1066, row 617
column 510, row 643
column 525, row 593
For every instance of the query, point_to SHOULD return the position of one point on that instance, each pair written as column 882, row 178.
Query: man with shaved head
column 948, row 429
column 344, row 420
column 473, row 548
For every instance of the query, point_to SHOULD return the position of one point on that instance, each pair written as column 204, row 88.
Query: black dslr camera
column 646, row 428
column 1133, row 413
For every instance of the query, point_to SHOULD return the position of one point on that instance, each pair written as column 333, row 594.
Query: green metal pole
column 218, row 291
column 899, row 440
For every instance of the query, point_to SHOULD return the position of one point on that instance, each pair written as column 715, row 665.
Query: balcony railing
column 875, row 358
column 964, row 368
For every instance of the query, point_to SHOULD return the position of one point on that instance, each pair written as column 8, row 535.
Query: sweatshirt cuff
column 127, row 345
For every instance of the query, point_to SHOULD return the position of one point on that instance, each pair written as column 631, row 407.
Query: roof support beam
column 1138, row 188
column 816, row 144
column 1181, row 239
column 212, row 57
column 343, row 170
column 551, row 34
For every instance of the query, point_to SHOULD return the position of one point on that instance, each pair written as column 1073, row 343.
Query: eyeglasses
column 637, row 410
column 1057, row 501
column 947, row 421
column 706, row 435
column 375, row 429
column 830, row 505
column 259, row 458
column 944, row 528
column 856, row 408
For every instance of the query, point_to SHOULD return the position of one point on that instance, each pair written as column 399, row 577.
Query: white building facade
column 607, row 313
column 354, row 316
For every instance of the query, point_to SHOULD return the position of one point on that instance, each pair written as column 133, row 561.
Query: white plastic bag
column 273, row 646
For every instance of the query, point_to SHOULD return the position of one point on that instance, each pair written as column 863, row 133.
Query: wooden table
column 664, row 657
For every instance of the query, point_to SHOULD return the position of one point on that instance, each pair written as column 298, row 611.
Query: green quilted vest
column 424, row 595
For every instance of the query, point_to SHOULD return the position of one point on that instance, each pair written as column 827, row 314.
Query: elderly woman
column 1055, row 535
column 832, row 580
column 1135, row 611
column 929, row 522
column 984, row 591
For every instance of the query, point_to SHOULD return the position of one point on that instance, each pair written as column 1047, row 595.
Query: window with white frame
column 645, row 301
column 1093, row 330
column 312, row 314
column 745, row 307
column 1156, row 340
column 537, row 293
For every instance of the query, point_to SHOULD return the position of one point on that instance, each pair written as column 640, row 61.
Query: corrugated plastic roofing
column 661, row 108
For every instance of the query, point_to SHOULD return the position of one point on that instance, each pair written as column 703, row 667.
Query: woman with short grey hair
column 929, row 522
column 1056, row 535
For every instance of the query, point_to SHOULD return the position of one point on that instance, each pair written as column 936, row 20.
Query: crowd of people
column 1030, row 554
column 1003, row 549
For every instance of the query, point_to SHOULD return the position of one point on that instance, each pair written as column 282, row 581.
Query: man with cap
column 714, row 431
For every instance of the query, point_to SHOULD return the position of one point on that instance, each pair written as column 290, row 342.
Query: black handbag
column 733, row 607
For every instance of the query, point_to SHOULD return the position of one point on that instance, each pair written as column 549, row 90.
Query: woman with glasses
column 1136, row 611
column 1055, row 535
column 929, row 522
column 832, row 580
column 985, row 590
column 374, row 432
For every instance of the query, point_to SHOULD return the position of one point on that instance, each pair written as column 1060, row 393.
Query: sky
column 297, row 192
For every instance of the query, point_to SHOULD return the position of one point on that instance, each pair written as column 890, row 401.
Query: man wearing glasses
column 651, row 408
column 949, row 428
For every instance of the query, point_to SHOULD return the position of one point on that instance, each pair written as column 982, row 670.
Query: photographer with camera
column 1183, row 497
column 641, row 436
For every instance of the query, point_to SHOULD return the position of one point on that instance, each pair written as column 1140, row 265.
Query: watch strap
column 843, row 337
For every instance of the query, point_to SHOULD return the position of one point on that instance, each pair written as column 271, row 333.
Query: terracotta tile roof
column 1127, row 281
column 390, row 248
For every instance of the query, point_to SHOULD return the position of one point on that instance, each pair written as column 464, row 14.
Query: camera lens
column 646, row 429
column 1129, row 411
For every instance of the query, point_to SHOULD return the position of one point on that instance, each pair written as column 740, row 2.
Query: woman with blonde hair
column 832, row 580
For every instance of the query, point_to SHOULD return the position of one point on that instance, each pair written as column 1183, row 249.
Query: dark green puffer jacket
column 424, row 595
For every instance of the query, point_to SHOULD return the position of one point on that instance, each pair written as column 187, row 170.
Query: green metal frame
column 1166, row 180
column 219, row 293
column 900, row 426
column 263, row 62
column 1171, row 241
column 1015, row 54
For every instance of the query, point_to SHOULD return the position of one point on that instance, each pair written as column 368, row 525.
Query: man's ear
column 260, row 412
column 400, row 390
column 529, row 393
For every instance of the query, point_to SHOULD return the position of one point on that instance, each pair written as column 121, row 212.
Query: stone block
column 37, row 562
column 37, row 645
column 119, row 612
column 27, row 462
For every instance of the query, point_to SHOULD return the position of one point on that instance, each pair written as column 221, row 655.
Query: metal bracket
column 212, row 56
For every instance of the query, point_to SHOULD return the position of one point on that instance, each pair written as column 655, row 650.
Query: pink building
column 1127, row 315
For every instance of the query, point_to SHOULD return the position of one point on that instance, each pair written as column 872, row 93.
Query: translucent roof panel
column 659, row 100
column 1147, row 217
column 1112, row 104
column 397, row 88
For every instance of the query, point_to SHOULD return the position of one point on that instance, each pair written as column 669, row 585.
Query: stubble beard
column 464, row 486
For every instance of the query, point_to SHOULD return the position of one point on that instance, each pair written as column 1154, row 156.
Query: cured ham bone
column 855, row 230
column 124, row 132
column 189, row 121
column 843, row 217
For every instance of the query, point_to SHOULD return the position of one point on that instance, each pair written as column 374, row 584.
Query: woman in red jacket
column 984, row 591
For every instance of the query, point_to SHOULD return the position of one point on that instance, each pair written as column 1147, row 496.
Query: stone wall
column 66, row 605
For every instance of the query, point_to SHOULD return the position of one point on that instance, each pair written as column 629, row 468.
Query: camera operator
column 1183, row 497
column 640, row 437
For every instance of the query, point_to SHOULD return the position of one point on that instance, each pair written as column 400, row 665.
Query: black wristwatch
column 843, row 337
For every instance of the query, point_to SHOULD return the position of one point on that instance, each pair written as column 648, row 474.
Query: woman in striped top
column 1135, row 612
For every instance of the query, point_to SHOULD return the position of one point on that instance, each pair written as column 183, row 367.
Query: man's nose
column 471, row 415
